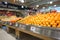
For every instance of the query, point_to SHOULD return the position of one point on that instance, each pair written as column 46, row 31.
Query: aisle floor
column 5, row 36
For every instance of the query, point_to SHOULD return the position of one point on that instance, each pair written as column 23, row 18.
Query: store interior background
column 23, row 9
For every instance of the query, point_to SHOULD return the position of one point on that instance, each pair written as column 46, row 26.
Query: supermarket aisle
column 5, row 36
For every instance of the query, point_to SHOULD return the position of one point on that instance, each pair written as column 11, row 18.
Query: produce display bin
column 46, row 31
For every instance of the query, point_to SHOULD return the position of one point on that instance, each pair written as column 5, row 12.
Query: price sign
column 10, row 23
column 33, row 28
column 16, row 24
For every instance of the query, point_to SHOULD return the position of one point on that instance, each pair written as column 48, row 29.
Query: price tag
column 10, row 23
column 32, row 28
column 16, row 24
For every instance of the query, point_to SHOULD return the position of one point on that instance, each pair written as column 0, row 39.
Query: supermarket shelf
column 31, row 33
column 36, row 35
column 42, row 32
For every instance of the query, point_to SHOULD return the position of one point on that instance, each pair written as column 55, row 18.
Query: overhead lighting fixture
column 22, row 1
column 43, row 7
column 51, row 2
column 37, row 5
column 5, row 2
column 22, row 6
column 54, row 5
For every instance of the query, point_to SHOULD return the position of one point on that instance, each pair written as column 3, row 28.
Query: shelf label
column 16, row 24
column 33, row 28
column 10, row 23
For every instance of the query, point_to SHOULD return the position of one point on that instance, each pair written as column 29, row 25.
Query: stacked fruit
column 15, row 19
column 11, row 19
column 46, row 20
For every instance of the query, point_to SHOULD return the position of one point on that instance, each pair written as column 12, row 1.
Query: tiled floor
column 5, row 36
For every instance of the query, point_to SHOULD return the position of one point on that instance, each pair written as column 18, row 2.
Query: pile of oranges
column 45, row 20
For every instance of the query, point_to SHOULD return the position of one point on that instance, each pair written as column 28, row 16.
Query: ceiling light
column 51, row 2
column 22, row 6
column 37, row 5
column 21, row 1
column 54, row 5
column 5, row 2
column 43, row 7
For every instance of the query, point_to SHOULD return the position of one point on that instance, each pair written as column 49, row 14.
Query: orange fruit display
column 45, row 20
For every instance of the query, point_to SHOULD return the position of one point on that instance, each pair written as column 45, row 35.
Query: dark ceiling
column 33, row 3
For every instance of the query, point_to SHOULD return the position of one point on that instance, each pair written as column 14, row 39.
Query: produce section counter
column 31, row 33
column 42, row 33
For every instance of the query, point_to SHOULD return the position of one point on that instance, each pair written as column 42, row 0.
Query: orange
column 43, row 19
